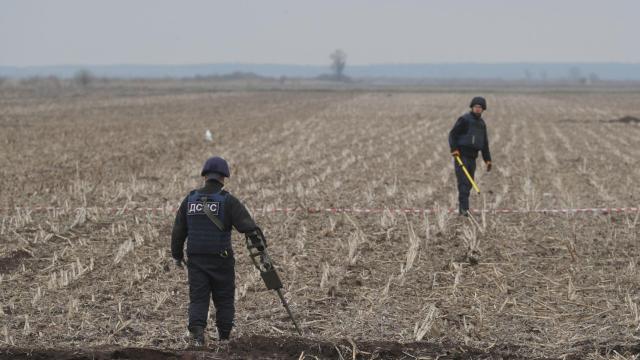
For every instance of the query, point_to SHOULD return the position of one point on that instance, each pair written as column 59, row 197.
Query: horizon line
column 327, row 64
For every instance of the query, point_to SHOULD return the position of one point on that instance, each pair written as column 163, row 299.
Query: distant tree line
column 81, row 79
column 574, row 75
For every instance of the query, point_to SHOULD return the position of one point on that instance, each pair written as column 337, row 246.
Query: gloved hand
column 488, row 165
column 257, row 237
column 455, row 153
column 179, row 263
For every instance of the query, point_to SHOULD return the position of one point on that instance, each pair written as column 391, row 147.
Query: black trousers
column 211, row 276
column 464, row 185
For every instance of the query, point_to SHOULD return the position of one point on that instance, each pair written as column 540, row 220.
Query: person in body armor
column 205, row 219
column 466, row 139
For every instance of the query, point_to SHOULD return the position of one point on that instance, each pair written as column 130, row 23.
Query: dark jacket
column 236, row 216
column 469, row 135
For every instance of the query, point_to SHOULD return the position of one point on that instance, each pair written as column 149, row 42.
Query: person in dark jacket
column 205, row 219
column 466, row 139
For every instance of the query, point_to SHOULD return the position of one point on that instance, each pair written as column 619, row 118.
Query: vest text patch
column 196, row 208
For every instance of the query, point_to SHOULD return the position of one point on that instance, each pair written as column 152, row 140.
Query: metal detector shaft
column 466, row 172
column 286, row 306
column 256, row 244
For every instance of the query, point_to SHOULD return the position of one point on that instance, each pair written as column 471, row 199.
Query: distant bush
column 83, row 78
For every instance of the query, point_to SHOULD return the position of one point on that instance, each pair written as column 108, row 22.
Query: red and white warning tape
column 433, row 211
column 171, row 210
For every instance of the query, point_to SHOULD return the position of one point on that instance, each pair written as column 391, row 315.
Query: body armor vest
column 203, row 236
column 475, row 135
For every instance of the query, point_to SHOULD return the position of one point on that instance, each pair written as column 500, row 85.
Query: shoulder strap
column 210, row 214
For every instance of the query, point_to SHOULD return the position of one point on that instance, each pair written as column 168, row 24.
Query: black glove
column 257, row 239
column 179, row 263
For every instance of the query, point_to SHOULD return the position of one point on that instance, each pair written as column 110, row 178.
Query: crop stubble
column 536, row 285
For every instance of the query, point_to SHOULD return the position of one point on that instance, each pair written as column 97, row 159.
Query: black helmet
column 216, row 165
column 479, row 100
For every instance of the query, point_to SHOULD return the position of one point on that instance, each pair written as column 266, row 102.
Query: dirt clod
column 12, row 261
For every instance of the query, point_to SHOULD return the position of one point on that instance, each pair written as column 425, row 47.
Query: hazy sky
column 46, row 32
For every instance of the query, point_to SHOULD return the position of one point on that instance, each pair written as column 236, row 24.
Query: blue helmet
column 479, row 100
column 216, row 165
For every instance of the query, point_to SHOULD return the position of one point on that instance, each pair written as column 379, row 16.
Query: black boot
column 224, row 334
column 197, row 336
